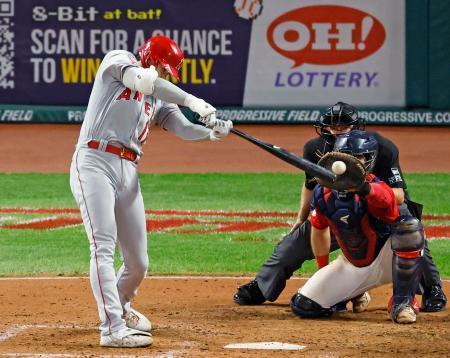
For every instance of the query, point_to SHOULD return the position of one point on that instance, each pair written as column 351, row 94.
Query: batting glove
column 220, row 130
column 210, row 120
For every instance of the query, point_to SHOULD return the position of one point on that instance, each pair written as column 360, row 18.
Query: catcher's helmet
column 163, row 50
column 358, row 143
column 339, row 114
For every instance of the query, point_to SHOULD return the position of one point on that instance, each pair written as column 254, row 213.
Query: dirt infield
column 48, row 148
column 195, row 317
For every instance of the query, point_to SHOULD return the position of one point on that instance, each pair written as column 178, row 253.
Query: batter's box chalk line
column 68, row 355
column 266, row 346
column 18, row 328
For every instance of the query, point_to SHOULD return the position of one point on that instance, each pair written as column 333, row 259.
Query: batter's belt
column 122, row 152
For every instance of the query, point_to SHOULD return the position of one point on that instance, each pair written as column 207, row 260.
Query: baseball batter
column 129, row 96
column 378, row 245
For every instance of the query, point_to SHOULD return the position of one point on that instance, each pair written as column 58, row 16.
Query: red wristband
column 322, row 261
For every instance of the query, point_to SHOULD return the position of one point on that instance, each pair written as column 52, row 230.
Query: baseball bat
column 296, row 161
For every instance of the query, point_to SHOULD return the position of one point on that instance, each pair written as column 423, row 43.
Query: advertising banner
column 239, row 115
column 51, row 49
column 250, row 53
column 316, row 52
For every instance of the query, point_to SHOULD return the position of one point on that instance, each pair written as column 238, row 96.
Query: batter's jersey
column 387, row 166
column 361, row 225
column 117, row 114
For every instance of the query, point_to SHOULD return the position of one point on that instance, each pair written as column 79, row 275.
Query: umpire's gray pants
column 288, row 256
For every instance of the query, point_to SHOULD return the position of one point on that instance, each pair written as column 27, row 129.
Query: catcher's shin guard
column 304, row 307
column 407, row 242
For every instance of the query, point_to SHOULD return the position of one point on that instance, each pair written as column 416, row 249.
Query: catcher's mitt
column 352, row 178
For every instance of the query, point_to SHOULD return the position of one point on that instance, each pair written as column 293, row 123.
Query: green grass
column 65, row 251
column 177, row 191
column 268, row 191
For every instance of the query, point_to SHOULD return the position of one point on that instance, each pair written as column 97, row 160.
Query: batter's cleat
column 249, row 294
column 361, row 302
column 127, row 338
column 136, row 320
column 434, row 299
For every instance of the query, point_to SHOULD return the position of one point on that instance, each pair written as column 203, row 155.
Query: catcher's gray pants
column 295, row 248
column 288, row 256
column 341, row 280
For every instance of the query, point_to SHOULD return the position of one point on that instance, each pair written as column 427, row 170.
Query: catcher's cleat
column 249, row 294
column 361, row 302
column 433, row 300
column 341, row 307
column 307, row 308
column 127, row 338
column 403, row 313
column 136, row 320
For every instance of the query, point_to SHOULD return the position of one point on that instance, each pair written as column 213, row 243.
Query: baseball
column 338, row 167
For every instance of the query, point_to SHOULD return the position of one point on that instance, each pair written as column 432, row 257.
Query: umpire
column 295, row 247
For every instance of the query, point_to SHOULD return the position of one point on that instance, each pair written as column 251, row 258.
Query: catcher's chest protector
column 360, row 235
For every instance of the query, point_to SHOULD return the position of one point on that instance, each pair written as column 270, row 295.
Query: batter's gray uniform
column 106, row 187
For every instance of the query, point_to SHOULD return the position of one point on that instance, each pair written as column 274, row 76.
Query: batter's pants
column 108, row 194
column 295, row 248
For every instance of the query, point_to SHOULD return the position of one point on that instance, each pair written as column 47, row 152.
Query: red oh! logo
column 326, row 35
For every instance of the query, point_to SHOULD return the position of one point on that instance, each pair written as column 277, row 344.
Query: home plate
column 265, row 345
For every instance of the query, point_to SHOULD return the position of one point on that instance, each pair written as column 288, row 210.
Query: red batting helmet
column 163, row 50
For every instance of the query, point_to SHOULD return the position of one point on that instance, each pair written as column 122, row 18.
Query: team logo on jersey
column 132, row 59
column 144, row 133
column 326, row 35
column 396, row 177
column 344, row 218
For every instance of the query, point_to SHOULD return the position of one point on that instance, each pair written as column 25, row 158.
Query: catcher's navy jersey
column 360, row 224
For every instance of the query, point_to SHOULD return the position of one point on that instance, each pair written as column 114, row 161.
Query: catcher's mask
column 358, row 143
column 162, row 50
column 339, row 114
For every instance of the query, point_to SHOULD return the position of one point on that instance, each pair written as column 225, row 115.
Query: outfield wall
column 239, row 115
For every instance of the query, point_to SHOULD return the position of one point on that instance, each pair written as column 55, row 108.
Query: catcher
column 295, row 247
column 378, row 244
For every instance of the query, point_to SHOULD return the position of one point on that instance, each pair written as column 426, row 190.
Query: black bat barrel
column 288, row 157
